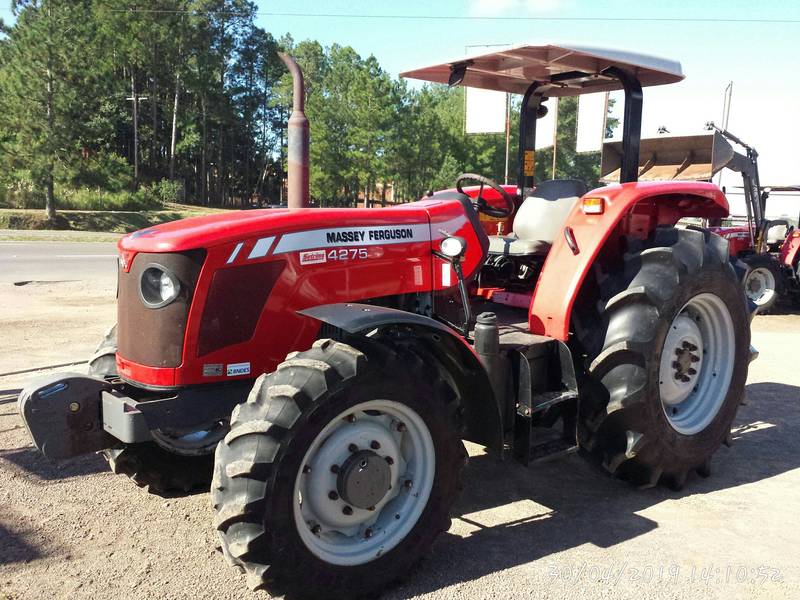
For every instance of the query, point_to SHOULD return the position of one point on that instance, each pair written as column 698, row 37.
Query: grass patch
column 98, row 220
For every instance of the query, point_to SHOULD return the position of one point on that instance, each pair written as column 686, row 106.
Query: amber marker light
column 593, row 206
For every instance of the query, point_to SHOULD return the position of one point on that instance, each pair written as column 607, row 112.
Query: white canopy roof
column 514, row 69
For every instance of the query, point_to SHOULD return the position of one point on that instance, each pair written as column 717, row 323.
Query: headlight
column 453, row 247
column 158, row 287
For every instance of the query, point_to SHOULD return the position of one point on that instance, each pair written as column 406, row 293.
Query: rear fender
column 790, row 250
column 629, row 209
column 452, row 355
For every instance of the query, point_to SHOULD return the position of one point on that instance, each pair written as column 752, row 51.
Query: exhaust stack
column 298, row 142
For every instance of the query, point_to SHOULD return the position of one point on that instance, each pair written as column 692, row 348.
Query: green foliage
column 24, row 195
column 46, row 83
column 108, row 171
column 69, row 135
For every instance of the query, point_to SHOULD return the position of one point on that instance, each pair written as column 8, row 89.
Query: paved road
column 57, row 261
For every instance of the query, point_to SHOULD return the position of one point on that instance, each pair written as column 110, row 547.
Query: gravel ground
column 558, row 529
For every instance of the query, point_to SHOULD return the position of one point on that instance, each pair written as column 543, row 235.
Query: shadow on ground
column 582, row 505
column 14, row 549
column 784, row 308
column 33, row 462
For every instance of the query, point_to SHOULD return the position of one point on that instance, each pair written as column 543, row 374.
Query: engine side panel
column 325, row 257
column 630, row 209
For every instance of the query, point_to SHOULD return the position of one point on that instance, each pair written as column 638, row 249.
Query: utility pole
column 135, row 98
column 174, row 128
column 508, row 133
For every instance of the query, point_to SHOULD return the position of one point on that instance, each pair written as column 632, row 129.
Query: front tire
column 148, row 464
column 764, row 283
column 339, row 471
column 670, row 373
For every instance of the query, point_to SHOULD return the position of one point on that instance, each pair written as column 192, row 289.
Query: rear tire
column 147, row 464
column 280, row 527
column 669, row 375
column 764, row 283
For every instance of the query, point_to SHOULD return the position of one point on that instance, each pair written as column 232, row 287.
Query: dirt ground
column 554, row 530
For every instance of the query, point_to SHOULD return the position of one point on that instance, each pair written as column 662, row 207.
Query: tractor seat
column 777, row 233
column 539, row 218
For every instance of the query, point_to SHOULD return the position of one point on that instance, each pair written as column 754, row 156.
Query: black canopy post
column 527, row 138
column 632, row 123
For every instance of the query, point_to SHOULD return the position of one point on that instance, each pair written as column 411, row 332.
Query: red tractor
column 757, row 241
column 772, row 253
column 319, row 368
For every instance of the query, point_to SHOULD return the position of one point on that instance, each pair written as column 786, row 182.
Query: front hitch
column 68, row 414
column 62, row 413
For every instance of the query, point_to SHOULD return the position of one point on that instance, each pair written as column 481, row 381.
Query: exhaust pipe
column 298, row 139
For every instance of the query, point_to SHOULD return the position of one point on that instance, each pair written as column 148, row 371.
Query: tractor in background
column 318, row 369
column 757, row 241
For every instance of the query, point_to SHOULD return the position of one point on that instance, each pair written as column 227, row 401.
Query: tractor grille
column 235, row 303
column 154, row 337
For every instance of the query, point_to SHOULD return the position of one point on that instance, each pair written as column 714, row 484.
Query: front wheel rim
column 200, row 442
column 385, row 433
column 760, row 286
column 696, row 364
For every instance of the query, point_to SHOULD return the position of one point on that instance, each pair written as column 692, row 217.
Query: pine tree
column 46, row 89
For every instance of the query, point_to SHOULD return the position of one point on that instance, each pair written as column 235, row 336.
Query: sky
column 760, row 58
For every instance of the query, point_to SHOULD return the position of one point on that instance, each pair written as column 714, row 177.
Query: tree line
column 187, row 99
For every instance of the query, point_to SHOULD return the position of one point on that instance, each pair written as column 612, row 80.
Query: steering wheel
column 480, row 203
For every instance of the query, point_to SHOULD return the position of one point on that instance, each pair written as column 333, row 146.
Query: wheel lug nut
column 401, row 427
column 368, row 532
column 694, row 358
column 678, row 351
column 678, row 376
column 375, row 445
column 408, row 483
column 686, row 379
column 692, row 348
column 316, row 529
column 686, row 345
column 389, row 460
column 353, row 448
column 334, row 469
column 333, row 495
column 676, row 365
column 692, row 372
column 347, row 510
column 306, row 469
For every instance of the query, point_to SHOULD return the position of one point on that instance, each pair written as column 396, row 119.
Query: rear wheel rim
column 389, row 434
column 760, row 285
column 696, row 364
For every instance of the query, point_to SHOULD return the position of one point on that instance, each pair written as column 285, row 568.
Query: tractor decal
column 353, row 236
column 235, row 252
column 261, row 247
column 237, row 369
column 313, row 257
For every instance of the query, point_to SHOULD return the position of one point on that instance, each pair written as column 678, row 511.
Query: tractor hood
column 213, row 230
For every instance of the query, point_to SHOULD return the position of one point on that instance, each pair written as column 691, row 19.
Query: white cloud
column 498, row 8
